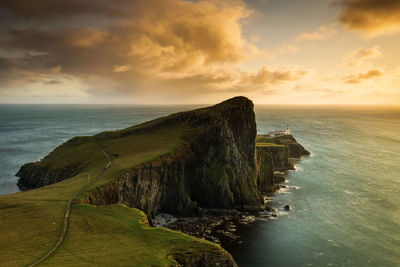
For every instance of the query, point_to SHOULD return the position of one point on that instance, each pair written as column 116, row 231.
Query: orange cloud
column 373, row 17
column 136, row 44
column 356, row 79
column 265, row 77
column 362, row 54
column 234, row 80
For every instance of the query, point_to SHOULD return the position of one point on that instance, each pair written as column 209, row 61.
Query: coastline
column 212, row 161
column 333, row 166
column 225, row 227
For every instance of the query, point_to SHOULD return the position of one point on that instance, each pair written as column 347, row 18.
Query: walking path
column 67, row 212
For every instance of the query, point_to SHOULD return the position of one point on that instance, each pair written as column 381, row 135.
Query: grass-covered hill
column 108, row 185
column 115, row 235
column 204, row 157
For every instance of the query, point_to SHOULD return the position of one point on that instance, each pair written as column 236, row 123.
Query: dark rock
column 205, row 259
column 280, row 157
column 287, row 207
column 217, row 169
column 265, row 175
column 296, row 150
column 279, row 178
column 33, row 175
column 269, row 209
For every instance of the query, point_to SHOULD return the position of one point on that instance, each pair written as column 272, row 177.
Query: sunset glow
column 188, row 52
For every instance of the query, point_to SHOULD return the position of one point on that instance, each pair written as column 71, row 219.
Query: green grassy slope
column 118, row 236
column 30, row 222
column 132, row 150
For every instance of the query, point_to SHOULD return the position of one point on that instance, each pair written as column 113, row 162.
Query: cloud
column 121, row 68
column 53, row 82
column 362, row 54
column 45, row 10
column 235, row 80
column 129, row 46
column 173, row 35
column 372, row 17
column 356, row 79
column 265, row 77
column 323, row 32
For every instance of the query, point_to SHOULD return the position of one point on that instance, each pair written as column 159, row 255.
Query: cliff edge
column 204, row 158
column 214, row 164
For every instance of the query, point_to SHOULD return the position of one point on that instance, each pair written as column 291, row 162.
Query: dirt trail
column 68, row 210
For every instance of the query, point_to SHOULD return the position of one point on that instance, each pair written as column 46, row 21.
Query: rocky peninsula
column 205, row 159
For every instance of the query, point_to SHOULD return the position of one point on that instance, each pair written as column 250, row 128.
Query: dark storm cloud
column 50, row 9
column 371, row 16
column 137, row 44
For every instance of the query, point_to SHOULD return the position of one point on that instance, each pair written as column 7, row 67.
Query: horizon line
column 207, row 104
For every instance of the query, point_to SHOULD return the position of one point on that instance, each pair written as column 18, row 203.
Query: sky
column 196, row 52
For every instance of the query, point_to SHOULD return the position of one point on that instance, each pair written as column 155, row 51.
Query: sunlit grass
column 268, row 145
column 30, row 222
column 117, row 235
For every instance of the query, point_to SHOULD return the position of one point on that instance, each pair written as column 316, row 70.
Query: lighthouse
column 288, row 129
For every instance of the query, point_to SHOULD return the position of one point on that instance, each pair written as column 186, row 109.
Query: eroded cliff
column 216, row 168
column 215, row 163
column 208, row 158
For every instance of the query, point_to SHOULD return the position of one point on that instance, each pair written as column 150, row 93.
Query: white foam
column 280, row 213
column 297, row 169
column 284, row 190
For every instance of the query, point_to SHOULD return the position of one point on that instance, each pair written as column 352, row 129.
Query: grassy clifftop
column 30, row 222
column 176, row 164
column 204, row 157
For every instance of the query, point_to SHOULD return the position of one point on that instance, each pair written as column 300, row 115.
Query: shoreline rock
column 220, row 226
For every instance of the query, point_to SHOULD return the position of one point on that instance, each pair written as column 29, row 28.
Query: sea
column 344, row 198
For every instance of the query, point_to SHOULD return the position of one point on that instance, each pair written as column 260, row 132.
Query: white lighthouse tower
column 288, row 129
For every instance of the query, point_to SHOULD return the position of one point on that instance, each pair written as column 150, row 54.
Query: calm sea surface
column 345, row 197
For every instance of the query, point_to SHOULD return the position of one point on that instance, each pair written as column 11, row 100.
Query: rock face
column 32, row 175
column 151, row 187
column 280, row 156
column 219, row 166
column 48, row 171
column 296, row 150
column 265, row 174
column 218, row 169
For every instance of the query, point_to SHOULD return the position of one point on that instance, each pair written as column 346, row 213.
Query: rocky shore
column 223, row 226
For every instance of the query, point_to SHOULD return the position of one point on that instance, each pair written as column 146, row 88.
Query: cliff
column 296, row 150
column 208, row 158
column 215, row 164
column 62, row 163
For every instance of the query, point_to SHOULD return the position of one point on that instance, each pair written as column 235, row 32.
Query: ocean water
column 345, row 198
